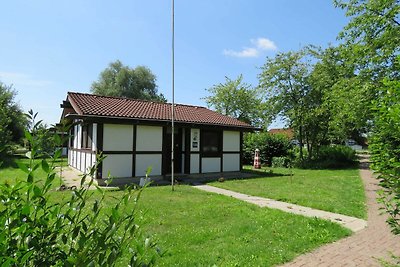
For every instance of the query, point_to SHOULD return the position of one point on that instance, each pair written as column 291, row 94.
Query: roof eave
column 79, row 116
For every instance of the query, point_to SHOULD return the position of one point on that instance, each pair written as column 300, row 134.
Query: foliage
column 373, row 36
column 330, row 157
column 12, row 120
column 122, row 81
column 236, row 99
column 75, row 230
column 335, row 118
column 283, row 162
column 284, row 81
column 269, row 145
column 385, row 149
column 45, row 141
column 338, row 191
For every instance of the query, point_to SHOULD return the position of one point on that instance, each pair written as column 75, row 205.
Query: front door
column 177, row 151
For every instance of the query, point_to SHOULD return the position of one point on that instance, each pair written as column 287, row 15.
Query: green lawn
column 202, row 229
column 339, row 191
column 10, row 173
column 197, row 228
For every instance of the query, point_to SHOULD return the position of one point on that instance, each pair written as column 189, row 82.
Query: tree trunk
column 301, row 142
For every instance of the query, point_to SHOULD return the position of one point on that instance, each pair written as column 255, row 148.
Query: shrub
column 280, row 162
column 77, row 231
column 269, row 145
column 385, row 150
column 330, row 157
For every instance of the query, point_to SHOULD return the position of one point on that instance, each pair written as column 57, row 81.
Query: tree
column 373, row 37
column 385, row 148
column 122, row 81
column 12, row 120
column 235, row 98
column 284, row 81
column 335, row 80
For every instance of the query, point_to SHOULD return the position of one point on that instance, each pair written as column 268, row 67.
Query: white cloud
column 264, row 44
column 246, row 52
column 260, row 44
column 22, row 80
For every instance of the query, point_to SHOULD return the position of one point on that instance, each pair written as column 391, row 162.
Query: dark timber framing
column 184, row 133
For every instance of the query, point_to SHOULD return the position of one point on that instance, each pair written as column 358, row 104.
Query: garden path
column 371, row 242
column 364, row 248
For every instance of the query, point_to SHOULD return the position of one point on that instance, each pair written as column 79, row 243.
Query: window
column 71, row 136
column 87, row 132
column 211, row 143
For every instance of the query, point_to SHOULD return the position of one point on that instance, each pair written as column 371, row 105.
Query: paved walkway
column 364, row 248
column 352, row 223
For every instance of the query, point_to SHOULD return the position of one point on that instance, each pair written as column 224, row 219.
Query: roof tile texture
column 94, row 105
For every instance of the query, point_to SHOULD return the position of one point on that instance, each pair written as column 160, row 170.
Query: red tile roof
column 118, row 107
column 287, row 132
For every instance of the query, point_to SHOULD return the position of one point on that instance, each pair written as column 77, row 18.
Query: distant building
column 287, row 132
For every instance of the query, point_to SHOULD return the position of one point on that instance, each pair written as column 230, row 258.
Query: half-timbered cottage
column 135, row 134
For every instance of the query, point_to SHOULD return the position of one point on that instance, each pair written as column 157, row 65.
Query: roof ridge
column 136, row 99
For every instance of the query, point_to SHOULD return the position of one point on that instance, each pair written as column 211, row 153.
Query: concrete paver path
column 363, row 248
column 371, row 242
column 352, row 223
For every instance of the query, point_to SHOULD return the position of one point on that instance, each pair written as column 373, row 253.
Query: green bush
column 385, row 150
column 330, row 157
column 280, row 162
column 39, row 229
column 269, row 145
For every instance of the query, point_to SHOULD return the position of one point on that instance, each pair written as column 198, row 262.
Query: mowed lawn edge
column 338, row 191
column 197, row 228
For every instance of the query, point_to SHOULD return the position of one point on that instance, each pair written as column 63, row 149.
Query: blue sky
column 51, row 47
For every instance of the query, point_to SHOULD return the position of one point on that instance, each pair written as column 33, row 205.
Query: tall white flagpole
column 173, row 98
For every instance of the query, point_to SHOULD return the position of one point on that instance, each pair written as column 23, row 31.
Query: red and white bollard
column 257, row 163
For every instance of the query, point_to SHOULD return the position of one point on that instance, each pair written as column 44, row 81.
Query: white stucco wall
column 143, row 161
column 77, row 136
column 88, row 162
column 118, row 166
column 117, row 137
column 231, row 162
column 231, row 141
column 194, row 163
column 94, row 137
column 149, row 138
column 78, row 160
column 210, row 165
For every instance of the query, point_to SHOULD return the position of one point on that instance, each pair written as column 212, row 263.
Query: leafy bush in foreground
column 72, row 230
column 385, row 149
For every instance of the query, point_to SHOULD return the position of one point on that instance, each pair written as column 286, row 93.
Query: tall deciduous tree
column 123, row 81
column 373, row 35
column 12, row 119
column 235, row 98
column 284, row 81
column 345, row 96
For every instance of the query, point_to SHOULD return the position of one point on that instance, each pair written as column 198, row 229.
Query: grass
column 11, row 174
column 197, row 228
column 339, row 191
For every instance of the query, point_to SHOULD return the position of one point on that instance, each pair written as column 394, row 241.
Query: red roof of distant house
column 118, row 107
column 287, row 132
